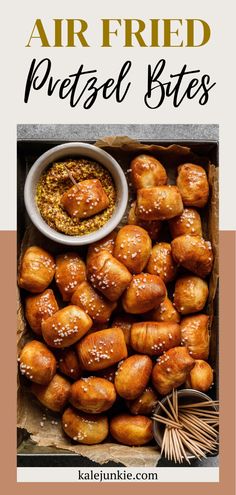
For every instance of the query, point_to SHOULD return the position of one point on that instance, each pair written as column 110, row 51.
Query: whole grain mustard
column 54, row 182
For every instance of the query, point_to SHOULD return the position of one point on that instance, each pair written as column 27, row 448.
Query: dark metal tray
column 27, row 152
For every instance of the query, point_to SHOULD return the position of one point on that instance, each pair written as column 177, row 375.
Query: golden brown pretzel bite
column 172, row 369
column 131, row 430
column 159, row 203
column 108, row 275
column 189, row 222
column 39, row 308
column 195, row 335
column 200, row 377
column 190, row 294
column 133, row 247
column 165, row 312
column 161, row 262
column 54, row 395
column 152, row 227
column 66, row 327
column 144, row 293
column 102, row 349
column 193, row 185
column 147, row 171
column 37, row 363
column 70, row 272
column 154, row 338
column 105, row 244
column 92, row 395
column 194, row 253
column 144, row 404
column 132, row 376
column 94, row 304
column 37, row 270
column 68, row 363
column 85, row 428
column 85, row 199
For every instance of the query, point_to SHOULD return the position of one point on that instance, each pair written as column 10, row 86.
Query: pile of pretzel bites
column 120, row 338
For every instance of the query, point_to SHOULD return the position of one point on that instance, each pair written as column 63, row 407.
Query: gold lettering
column 71, row 33
column 168, row 32
column 130, row 32
column 191, row 26
column 38, row 32
column 106, row 31
column 58, row 32
column 155, row 32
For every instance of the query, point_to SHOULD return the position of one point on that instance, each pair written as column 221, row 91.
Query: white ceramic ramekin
column 69, row 150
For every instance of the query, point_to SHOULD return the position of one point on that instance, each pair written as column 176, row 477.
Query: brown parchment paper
column 30, row 413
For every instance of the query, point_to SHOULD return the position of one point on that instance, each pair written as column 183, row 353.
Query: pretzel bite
column 152, row 227
column 108, row 275
column 70, row 272
column 193, row 185
column 102, row 349
column 161, row 262
column 144, row 404
column 190, row 295
column 132, row 376
column 94, row 304
column 165, row 312
column 39, row 308
column 195, row 335
column 105, row 244
column 147, row 171
column 133, row 247
column 200, row 377
column 85, row 199
column 144, row 292
column 66, row 327
column 92, row 395
column 85, row 428
column 55, row 395
column 124, row 322
column 154, row 338
column 194, row 253
column 37, row 270
column 189, row 222
column 68, row 363
column 159, row 203
column 37, row 363
column 131, row 430
column 172, row 369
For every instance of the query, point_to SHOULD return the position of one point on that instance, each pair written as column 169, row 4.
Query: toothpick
column 172, row 409
column 208, row 403
column 163, row 441
column 70, row 176
column 188, row 426
column 166, row 410
column 176, row 439
column 196, row 421
column 195, row 431
column 166, row 421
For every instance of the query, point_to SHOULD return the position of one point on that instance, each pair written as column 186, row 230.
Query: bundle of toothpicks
column 191, row 429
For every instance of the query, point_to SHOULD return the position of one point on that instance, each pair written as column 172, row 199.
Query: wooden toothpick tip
column 70, row 176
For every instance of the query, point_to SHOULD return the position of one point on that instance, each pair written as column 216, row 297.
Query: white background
column 217, row 58
column 165, row 474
